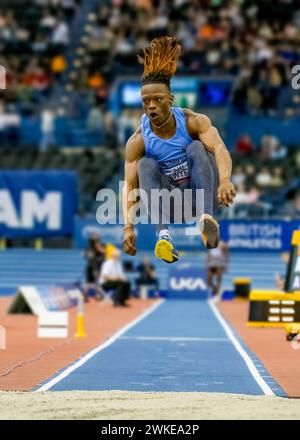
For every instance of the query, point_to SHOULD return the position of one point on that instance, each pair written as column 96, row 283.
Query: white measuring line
column 250, row 364
column 96, row 350
column 173, row 339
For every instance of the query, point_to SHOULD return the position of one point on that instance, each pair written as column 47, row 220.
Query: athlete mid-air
column 173, row 148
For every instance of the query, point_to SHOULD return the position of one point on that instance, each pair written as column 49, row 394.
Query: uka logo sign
column 187, row 283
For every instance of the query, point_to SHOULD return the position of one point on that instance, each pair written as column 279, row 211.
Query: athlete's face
column 157, row 101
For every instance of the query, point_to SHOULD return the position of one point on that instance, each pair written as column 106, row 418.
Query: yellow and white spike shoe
column 165, row 250
column 210, row 231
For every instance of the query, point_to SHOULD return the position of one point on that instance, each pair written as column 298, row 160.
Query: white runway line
column 96, row 350
column 174, row 339
column 250, row 364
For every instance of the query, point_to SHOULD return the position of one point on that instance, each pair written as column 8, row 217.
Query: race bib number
column 176, row 169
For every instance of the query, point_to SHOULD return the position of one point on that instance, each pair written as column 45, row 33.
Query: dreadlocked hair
column 159, row 60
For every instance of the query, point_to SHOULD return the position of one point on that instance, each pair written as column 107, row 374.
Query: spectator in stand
column 244, row 146
column 254, row 99
column 40, row 44
column 58, row 65
column 291, row 209
column 250, row 174
column 246, row 195
column 111, row 132
column 297, row 160
column 278, row 152
column 238, row 175
column 47, row 129
column 268, row 144
column 264, row 178
column 95, row 125
column 272, row 149
column 241, row 194
column 60, row 35
column 96, row 81
column 277, row 180
column 47, row 22
column 126, row 126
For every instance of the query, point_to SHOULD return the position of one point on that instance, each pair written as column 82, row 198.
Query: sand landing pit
column 123, row 405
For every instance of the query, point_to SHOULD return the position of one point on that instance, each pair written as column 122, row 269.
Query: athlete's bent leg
column 150, row 178
column 205, row 176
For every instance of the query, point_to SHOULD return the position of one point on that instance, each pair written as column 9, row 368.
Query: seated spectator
column 297, row 160
column 250, row 174
column 278, row 152
column 264, row 178
column 95, row 125
column 47, row 129
column 277, row 177
column 111, row 132
column 147, row 274
column 112, row 277
column 291, row 209
column 255, row 100
column 241, row 194
column 244, row 146
column 268, row 145
column 96, row 81
column 48, row 22
column 246, row 195
column 60, row 35
column 58, row 65
column 238, row 175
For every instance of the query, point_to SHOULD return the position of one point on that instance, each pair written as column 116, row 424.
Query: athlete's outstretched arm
column 135, row 150
column 200, row 126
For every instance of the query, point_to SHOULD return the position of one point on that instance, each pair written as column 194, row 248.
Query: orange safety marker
column 80, row 333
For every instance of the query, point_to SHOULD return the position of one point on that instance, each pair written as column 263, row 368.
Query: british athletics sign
column 241, row 235
column 37, row 204
column 273, row 235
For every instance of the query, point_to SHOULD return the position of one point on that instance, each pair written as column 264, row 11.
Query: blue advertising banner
column 241, row 235
column 264, row 235
column 37, row 203
column 84, row 228
column 41, row 298
column 60, row 297
column 187, row 282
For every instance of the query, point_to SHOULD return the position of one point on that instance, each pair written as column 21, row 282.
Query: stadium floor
column 179, row 346
column 176, row 358
column 29, row 360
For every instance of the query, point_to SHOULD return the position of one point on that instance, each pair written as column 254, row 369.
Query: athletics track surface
column 177, row 345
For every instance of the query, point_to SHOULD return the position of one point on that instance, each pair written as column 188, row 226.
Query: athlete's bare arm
column 200, row 126
column 135, row 150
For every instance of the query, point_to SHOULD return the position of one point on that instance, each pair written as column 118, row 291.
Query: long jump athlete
column 173, row 148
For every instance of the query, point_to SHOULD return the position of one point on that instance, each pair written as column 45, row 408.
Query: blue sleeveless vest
column 169, row 153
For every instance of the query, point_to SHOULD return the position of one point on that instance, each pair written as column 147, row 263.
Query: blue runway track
column 180, row 346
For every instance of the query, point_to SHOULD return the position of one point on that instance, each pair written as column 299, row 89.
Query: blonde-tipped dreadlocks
column 159, row 60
